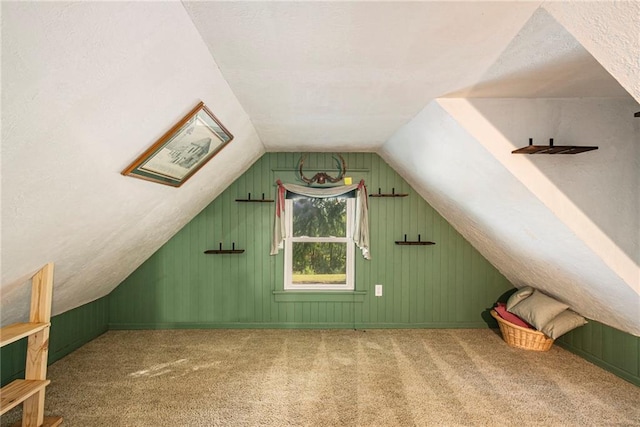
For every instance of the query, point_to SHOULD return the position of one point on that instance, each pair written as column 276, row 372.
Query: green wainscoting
column 609, row 348
column 69, row 331
column 446, row 285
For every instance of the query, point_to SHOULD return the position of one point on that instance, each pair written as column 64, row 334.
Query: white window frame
column 288, row 252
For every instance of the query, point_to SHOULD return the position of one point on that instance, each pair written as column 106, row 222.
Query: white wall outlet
column 378, row 290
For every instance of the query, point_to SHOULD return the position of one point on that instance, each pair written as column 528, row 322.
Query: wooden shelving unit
column 552, row 149
column 392, row 194
column 31, row 390
column 250, row 200
column 17, row 331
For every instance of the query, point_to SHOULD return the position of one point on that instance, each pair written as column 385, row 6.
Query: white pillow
column 538, row 309
column 561, row 324
column 518, row 296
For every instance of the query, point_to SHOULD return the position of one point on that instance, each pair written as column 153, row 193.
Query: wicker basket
column 516, row 336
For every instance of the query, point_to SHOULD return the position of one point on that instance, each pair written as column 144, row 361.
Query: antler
column 323, row 177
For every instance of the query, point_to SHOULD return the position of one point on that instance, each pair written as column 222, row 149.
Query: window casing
column 316, row 259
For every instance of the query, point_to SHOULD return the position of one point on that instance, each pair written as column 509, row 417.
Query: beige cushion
column 518, row 296
column 538, row 309
column 561, row 324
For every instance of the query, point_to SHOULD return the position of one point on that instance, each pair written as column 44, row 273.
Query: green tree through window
column 319, row 245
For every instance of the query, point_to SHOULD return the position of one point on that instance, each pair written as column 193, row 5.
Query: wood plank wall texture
column 69, row 331
column 446, row 285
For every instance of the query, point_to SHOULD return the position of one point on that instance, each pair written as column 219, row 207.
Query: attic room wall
column 446, row 285
column 595, row 194
column 69, row 331
column 86, row 88
column 609, row 348
column 609, row 31
column 503, row 219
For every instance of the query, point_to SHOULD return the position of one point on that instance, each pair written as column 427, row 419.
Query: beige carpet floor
column 330, row 378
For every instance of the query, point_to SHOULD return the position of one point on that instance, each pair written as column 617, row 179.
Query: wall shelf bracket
column 233, row 250
column 250, row 200
column 418, row 242
column 552, row 149
column 392, row 194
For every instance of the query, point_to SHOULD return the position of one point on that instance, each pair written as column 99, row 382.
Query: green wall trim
column 616, row 351
column 294, row 325
column 69, row 331
column 321, row 296
column 633, row 379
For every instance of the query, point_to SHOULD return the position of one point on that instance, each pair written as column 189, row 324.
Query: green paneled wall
column 609, row 348
column 446, row 285
column 69, row 331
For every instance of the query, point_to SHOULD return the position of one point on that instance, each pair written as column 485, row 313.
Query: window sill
column 319, row 296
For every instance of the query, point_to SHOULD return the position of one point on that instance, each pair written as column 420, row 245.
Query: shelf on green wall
column 250, row 200
column 418, row 242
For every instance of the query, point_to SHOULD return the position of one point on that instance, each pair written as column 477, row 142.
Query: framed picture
column 184, row 149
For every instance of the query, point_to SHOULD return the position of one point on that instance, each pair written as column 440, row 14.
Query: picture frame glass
column 183, row 150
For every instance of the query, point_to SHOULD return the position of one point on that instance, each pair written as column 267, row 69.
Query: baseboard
column 601, row 363
column 73, row 346
column 222, row 325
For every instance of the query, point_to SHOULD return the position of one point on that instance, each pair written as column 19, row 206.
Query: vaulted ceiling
column 443, row 91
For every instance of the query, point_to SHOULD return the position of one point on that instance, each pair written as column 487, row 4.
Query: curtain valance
column 361, row 218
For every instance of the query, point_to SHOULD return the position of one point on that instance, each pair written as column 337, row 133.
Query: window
column 320, row 253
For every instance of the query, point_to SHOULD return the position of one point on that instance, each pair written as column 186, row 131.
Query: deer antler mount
column 323, row 177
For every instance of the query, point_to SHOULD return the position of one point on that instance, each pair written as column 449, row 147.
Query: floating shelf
column 392, row 194
column 552, row 149
column 233, row 250
column 250, row 200
column 406, row 242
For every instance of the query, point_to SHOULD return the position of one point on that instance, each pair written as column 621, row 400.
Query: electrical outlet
column 378, row 291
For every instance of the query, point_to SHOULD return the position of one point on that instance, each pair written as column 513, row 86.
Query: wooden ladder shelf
column 31, row 390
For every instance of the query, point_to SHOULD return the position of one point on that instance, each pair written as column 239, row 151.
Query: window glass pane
column 319, row 217
column 324, row 263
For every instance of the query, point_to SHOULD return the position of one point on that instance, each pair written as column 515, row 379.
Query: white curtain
column 361, row 218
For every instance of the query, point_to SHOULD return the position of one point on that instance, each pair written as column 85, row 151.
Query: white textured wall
column 594, row 194
column 610, row 31
column 86, row 87
column 507, row 222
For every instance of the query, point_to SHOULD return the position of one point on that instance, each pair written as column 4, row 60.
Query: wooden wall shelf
column 402, row 243
column 418, row 242
column 250, row 200
column 552, row 149
column 233, row 250
column 392, row 194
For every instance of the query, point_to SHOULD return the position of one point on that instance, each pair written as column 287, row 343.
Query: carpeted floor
column 431, row 377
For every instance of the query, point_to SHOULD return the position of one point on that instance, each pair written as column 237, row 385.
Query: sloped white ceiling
column 541, row 239
column 87, row 86
column 343, row 76
column 544, row 61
